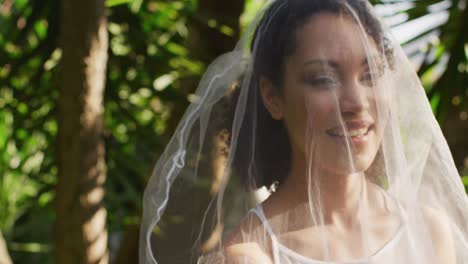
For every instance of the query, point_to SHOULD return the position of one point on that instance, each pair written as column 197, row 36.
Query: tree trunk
column 4, row 256
column 80, row 230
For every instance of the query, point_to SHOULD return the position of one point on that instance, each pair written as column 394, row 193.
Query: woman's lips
column 356, row 132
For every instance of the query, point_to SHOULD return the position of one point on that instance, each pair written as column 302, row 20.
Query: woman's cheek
column 380, row 108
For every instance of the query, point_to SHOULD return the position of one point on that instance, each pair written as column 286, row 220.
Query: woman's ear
column 271, row 99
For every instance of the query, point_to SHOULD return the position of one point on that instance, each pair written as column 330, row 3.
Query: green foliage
column 147, row 64
column 464, row 177
column 27, row 126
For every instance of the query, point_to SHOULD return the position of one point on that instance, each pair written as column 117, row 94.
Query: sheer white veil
column 311, row 142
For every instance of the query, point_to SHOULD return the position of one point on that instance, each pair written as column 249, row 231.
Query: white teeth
column 354, row 132
column 358, row 132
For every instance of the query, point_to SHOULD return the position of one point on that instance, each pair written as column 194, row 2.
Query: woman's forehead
column 332, row 37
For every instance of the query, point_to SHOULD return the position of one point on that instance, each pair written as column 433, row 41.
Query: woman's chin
column 345, row 165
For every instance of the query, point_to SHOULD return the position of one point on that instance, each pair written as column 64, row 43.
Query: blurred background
column 91, row 91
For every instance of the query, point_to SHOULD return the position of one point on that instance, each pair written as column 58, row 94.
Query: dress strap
column 258, row 211
column 261, row 215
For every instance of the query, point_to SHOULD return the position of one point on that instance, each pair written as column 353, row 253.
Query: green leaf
column 466, row 51
column 465, row 180
column 41, row 28
column 135, row 5
column 112, row 3
column 164, row 81
column 435, row 101
column 3, row 130
column 177, row 49
column 31, row 247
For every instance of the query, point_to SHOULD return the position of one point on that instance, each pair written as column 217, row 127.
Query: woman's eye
column 370, row 77
column 323, row 81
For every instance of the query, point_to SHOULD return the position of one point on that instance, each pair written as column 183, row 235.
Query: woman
column 326, row 113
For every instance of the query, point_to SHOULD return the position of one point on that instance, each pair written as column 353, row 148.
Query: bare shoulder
column 248, row 230
column 438, row 223
column 441, row 234
column 250, row 252
column 241, row 253
column 247, row 243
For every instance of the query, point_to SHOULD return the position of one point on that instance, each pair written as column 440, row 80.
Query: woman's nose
column 353, row 98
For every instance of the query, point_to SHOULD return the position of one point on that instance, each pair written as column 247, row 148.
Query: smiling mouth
column 356, row 132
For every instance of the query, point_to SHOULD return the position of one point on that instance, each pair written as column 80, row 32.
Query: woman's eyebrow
column 367, row 61
column 328, row 63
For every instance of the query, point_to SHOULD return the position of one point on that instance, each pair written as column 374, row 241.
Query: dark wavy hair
column 263, row 153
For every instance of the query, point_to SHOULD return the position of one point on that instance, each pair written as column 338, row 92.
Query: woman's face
column 330, row 94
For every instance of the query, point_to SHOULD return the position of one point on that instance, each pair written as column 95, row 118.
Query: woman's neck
column 338, row 197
